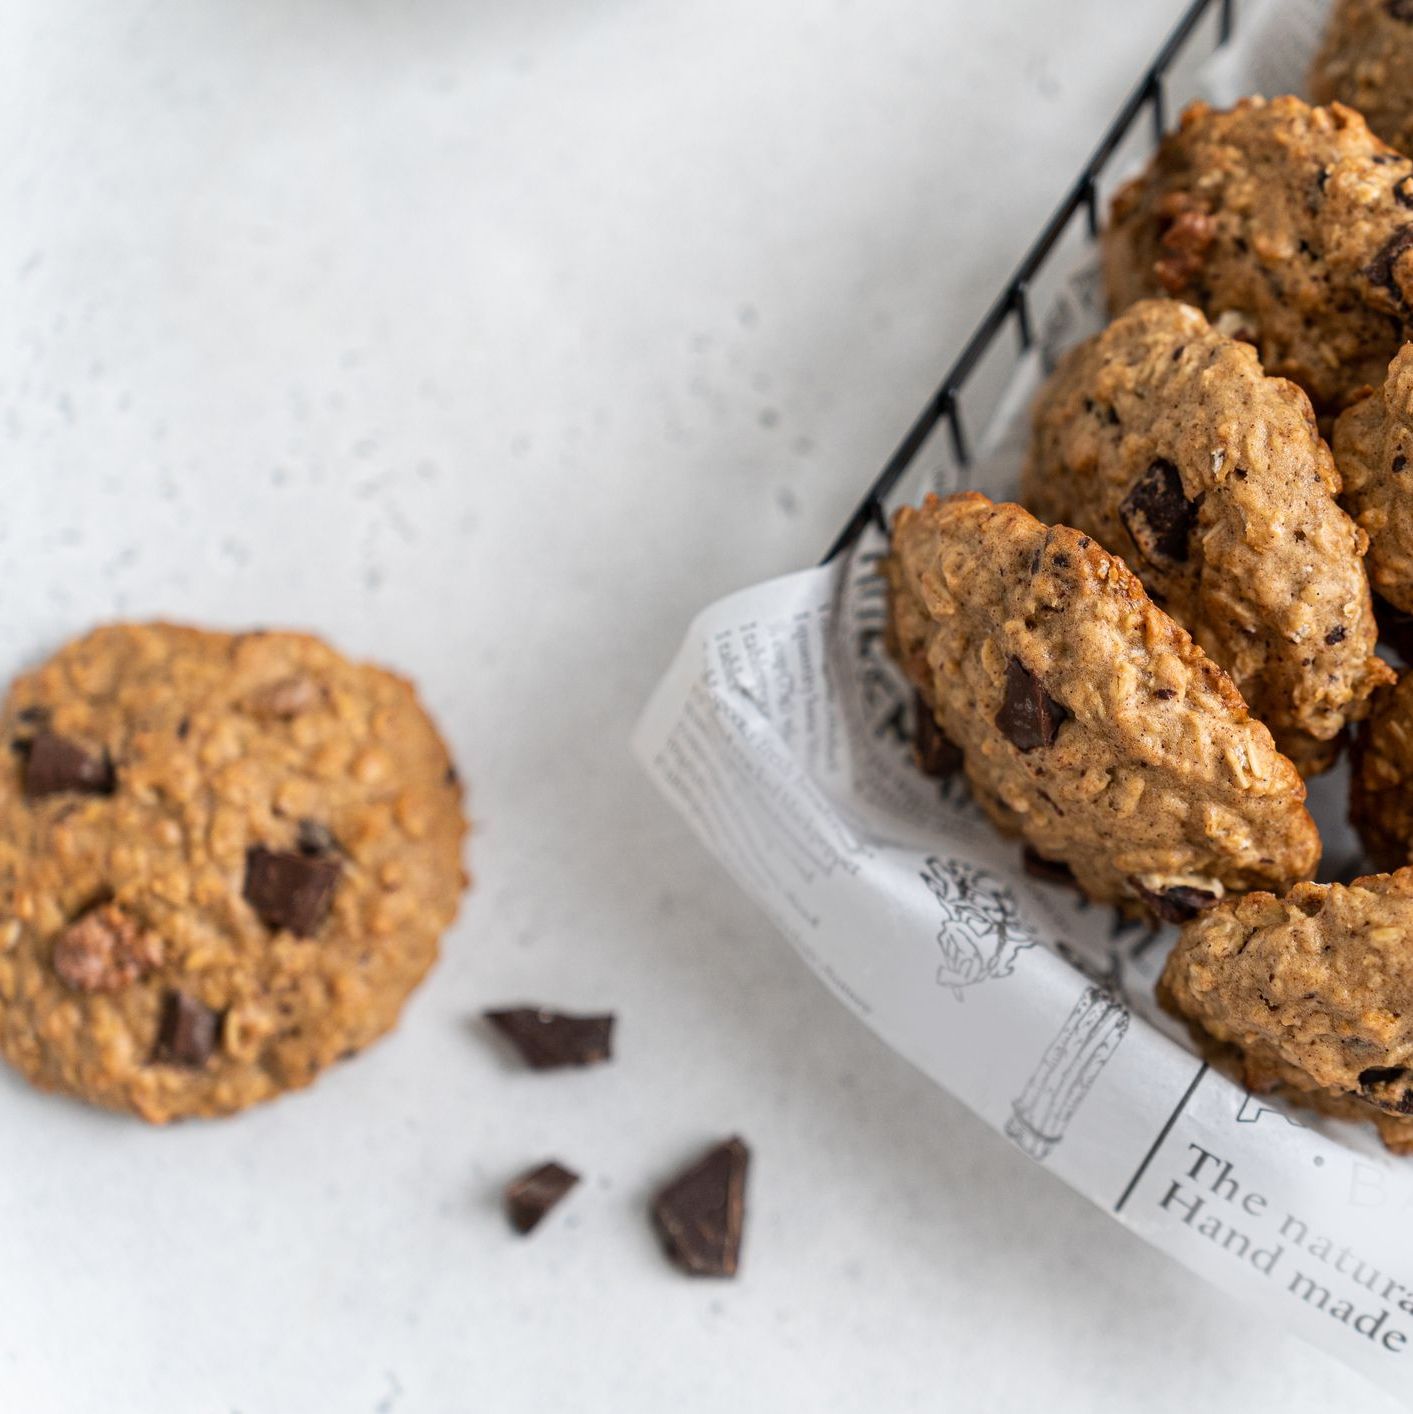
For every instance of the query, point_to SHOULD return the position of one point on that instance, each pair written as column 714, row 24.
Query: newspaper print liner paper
column 782, row 734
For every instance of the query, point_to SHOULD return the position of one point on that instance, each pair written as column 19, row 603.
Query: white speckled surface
column 493, row 340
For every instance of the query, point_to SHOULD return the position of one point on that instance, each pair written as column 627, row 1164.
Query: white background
column 493, row 340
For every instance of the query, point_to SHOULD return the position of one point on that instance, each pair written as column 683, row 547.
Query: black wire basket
column 960, row 403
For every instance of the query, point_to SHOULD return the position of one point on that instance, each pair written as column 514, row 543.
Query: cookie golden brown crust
column 1288, row 226
column 1373, row 447
column 1310, row 994
column 1166, row 442
column 1381, row 778
column 1366, row 61
column 1089, row 722
column 225, row 861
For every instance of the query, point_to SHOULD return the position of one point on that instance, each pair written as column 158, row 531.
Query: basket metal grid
column 1150, row 98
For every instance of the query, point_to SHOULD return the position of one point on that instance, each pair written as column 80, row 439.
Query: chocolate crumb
column 1336, row 635
column 529, row 1198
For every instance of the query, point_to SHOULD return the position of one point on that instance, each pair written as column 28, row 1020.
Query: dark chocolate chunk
column 1157, row 514
column 316, row 839
column 529, row 1198
column 187, row 1031
column 1177, row 904
column 700, row 1214
column 34, row 716
column 1052, row 871
column 1380, row 270
column 1029, row 716
column 1336, row 635
column 548, row 1040
column 55, row 764
column 290, row 889
column 1401, row 10
column 937, row 755
column 1390, row 1087
column 1399, row 463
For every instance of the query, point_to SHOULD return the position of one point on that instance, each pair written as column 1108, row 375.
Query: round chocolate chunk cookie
column 1366, row 61
column 225, row 860
column 1089, row 722
column 1310, row 995
column 1288, row 226
column 1165, row 441
column 1381, row 779
column 1373, row 447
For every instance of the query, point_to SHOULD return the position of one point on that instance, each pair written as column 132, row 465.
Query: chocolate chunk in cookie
column 1157, row 514
column 1218, row 491
column 290, row 889
column 1175, row 903
column 700, row 1215
column 56, row 765
column 1288, row 226
column 188, row 1031
column 1029, row 718
column 1310, row 994
column 1156, row 781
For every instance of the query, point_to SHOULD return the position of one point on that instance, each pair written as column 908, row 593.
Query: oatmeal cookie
column 1288, row 226
column 1089, row 722
column 1310, row 994
column 225, row 861
column 1366, row 61
column 1381, row 778
column 1373, row 447
column 1166, row 442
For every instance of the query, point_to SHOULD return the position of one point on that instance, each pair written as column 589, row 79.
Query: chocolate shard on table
column 699, row 1215
column 549, row 1040
column 529, row 1198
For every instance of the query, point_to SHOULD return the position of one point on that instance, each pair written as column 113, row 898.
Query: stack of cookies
column 1142, row 663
